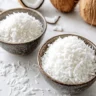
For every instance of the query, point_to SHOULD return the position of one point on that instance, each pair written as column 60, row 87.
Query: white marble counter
column 71, row 22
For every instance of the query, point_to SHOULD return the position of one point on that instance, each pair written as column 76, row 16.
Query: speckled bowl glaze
column 27, row 47
column 72, row 89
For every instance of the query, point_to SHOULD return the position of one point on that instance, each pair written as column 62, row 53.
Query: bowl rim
column 38, row 13
column 54, row 80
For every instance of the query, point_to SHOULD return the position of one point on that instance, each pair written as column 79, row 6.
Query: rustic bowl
column 60, row 86
column 27, row 47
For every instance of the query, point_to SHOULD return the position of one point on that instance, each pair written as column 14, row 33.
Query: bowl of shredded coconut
column 21, row 30
column 68, row 62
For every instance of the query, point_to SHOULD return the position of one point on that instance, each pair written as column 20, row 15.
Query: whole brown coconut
column 88, row 11
column 64, row 5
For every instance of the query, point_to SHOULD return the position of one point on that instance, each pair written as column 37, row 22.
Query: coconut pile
column 70, row 61
column 20, row 28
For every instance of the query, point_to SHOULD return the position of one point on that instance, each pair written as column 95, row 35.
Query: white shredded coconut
column 58, row 28
column 18, row 79
column 20, row 27
column 70, row 60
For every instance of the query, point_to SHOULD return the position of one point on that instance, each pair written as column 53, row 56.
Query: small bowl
column 26, row 47
column 72, row 89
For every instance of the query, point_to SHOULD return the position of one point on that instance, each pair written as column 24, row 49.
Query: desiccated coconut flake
column 47, row 89
column 16, row 93
column 36, row 82
column 10, row 92
column 24, row 89
column 36, row 89
column 35, row 65
column 42, row 92
column 38, row 74
column 12, row 82
column 24, row 80
column 58, row 28
column 29, row 93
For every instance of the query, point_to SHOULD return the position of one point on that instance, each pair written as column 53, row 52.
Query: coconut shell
column 88, row 11
column 26, row 6
column 64, row 5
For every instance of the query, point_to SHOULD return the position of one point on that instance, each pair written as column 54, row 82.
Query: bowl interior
column 32, row 12
column 50, row 41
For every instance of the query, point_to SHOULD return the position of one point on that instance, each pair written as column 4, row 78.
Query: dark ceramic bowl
column 27, row 47
column 60, row 86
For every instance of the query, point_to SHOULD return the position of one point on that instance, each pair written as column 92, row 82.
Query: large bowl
column 27, row 47
column 61, row 86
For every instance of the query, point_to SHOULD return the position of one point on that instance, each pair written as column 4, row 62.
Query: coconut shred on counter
column 70, row 60
column 20, row 28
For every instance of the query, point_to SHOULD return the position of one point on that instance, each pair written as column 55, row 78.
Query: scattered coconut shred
column 17, row 78
column 20, row 27
column 70, row 60
column 58, row 28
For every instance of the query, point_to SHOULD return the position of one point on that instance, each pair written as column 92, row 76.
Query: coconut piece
column 88, row 11
column 52, row 20
column 58, row 29
column 64, row 5
column 33, row 4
